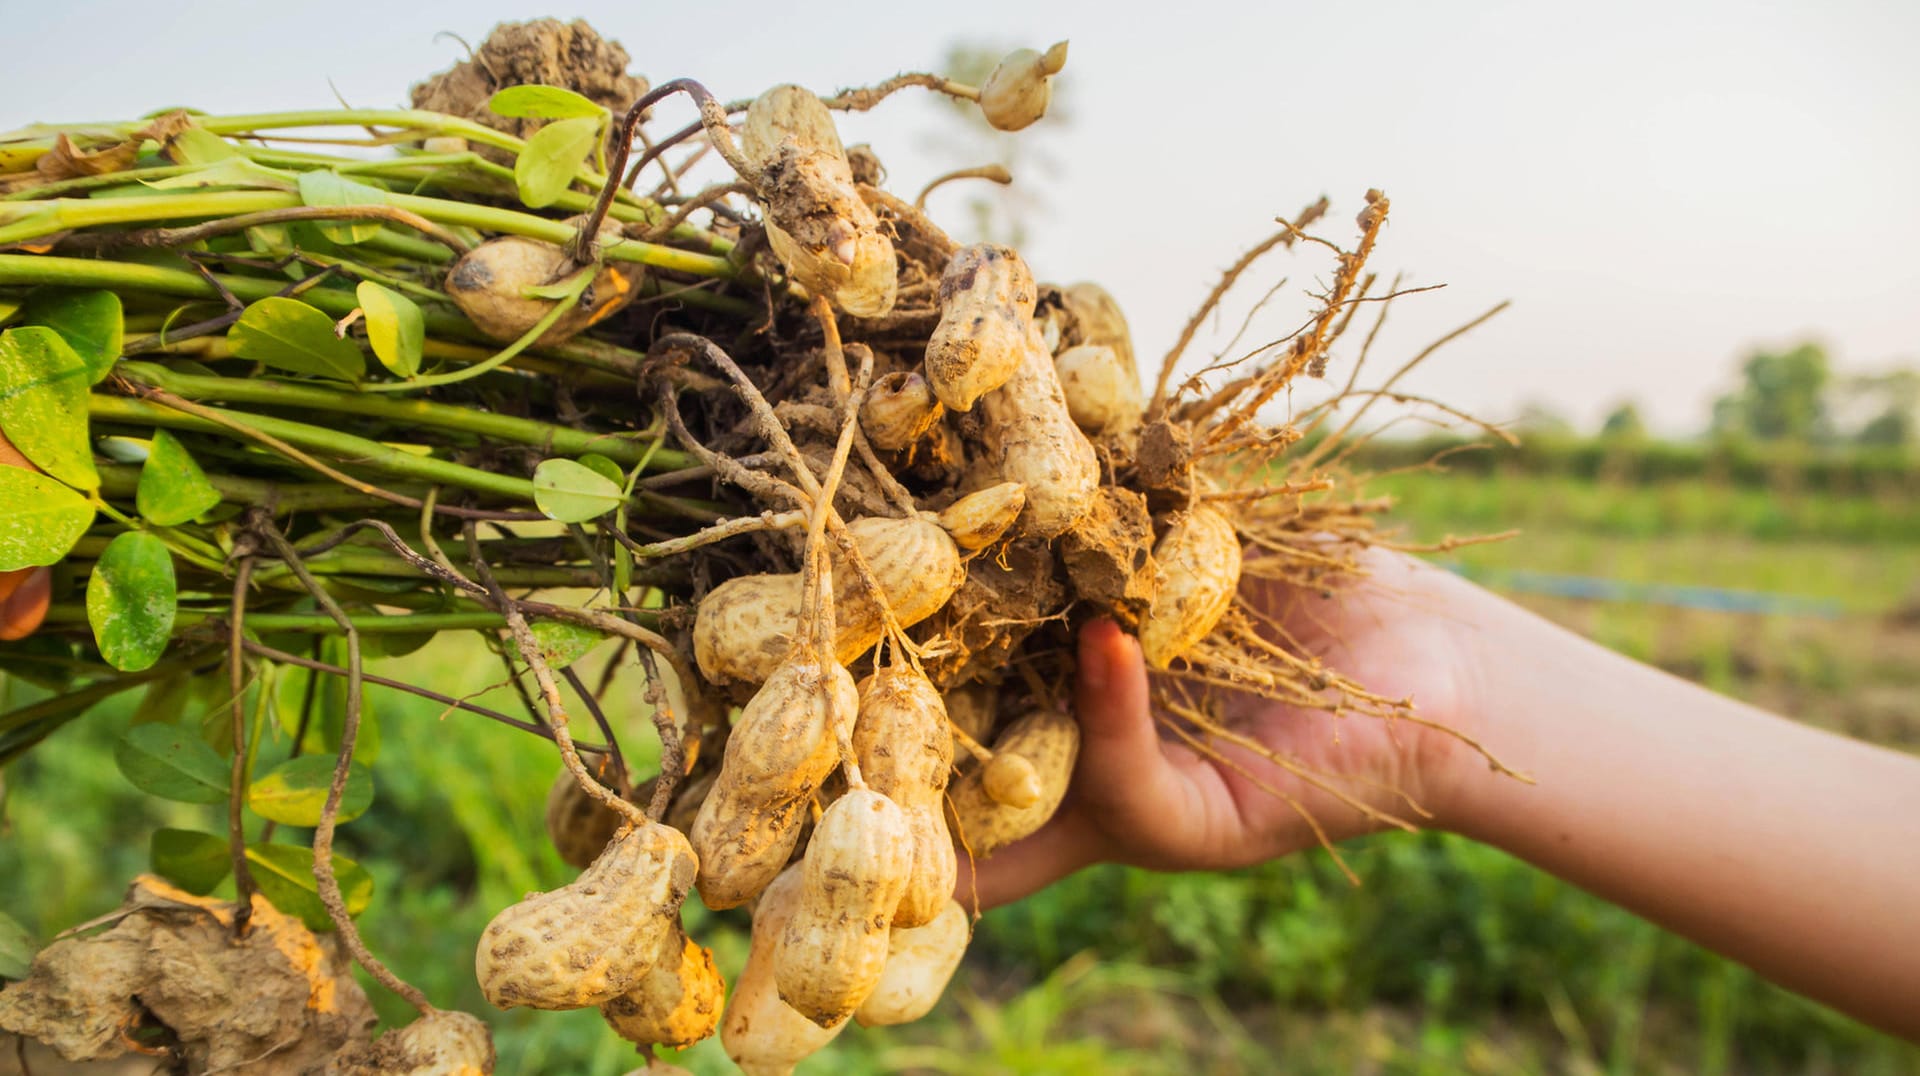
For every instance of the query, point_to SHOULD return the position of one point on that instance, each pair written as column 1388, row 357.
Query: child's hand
column 1149, row 801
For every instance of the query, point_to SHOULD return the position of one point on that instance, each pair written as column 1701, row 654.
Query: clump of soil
column 167, row 978
column 544, row 52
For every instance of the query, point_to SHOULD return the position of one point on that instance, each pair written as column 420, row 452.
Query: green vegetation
column 1451, row 957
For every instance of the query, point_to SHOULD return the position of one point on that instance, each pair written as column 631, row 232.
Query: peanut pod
column 856, row 869
column 442, row 1042
column 1199, row 561
column 1102, row 395
column 677, row 1002
column 1030, row 438
column 744, row 627
column 490, row 284
column 920, row 961
column 1018, row 91
column 761, row 1033
column 986, row 308
column 784, row 743
column 1047, row 739
column 899, row 409
column 578, row 824
column 589, row 941
column 906, row 755
column 817, row 224
column 1098, row 320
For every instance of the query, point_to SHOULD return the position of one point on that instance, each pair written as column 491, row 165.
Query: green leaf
column 395, row 327
column 190, row 859
column 164, row 701
column 173, row 763
column 197, row 145
column 284, row 873
column 16, row 949
column 571, row 493
column 324, row 188
column 44, row 518
column 88, row 319
column 173, row 489
column 561, row 643
column 328, row 717
column 234, row 173
column 295, row 791
column 43, row 403
column 130, row 600
column 542, row 103
column 601, row 465
column 546, row 167
column 290, row 335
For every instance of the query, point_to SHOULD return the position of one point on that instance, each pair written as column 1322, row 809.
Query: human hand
column 1136, row 798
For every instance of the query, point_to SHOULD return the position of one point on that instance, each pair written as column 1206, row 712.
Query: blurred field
column 1450, row 958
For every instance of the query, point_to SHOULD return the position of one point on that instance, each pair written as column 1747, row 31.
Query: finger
column 22, row 611
column 1055, row 850
column 1121, row 756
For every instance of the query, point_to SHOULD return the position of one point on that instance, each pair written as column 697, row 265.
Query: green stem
column 544, row 435
column 191, row 550
column 340, row 446
column 32, row 220
column 357, row 561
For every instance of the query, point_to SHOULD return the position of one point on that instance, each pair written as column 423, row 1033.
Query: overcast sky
column 1658, row 187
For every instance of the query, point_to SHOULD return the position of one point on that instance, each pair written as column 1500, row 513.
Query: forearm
column 1791, row 850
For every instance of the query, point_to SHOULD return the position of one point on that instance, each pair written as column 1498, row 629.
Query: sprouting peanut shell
column 1018, row 91
column 920, row 961
column 980, row 518
column 899, row 409
column 1199, row 561
column 589, row 941
column 1047, row 739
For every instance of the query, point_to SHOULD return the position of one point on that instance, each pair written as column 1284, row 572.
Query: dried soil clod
column 171, row 961
column 544, row 52
column 1108, row 554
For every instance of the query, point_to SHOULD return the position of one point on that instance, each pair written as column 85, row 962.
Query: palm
column 1156, row 802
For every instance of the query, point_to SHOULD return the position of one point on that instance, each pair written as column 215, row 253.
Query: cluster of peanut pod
column 836, row 809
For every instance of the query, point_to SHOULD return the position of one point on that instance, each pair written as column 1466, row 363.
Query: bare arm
column 1791, row 850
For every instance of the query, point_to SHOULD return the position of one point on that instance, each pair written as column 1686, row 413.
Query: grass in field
column 1451, row 958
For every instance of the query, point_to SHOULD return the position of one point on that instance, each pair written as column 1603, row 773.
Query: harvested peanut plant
column 843, row 486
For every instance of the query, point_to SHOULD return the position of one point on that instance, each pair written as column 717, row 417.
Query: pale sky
column 1657, row 186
